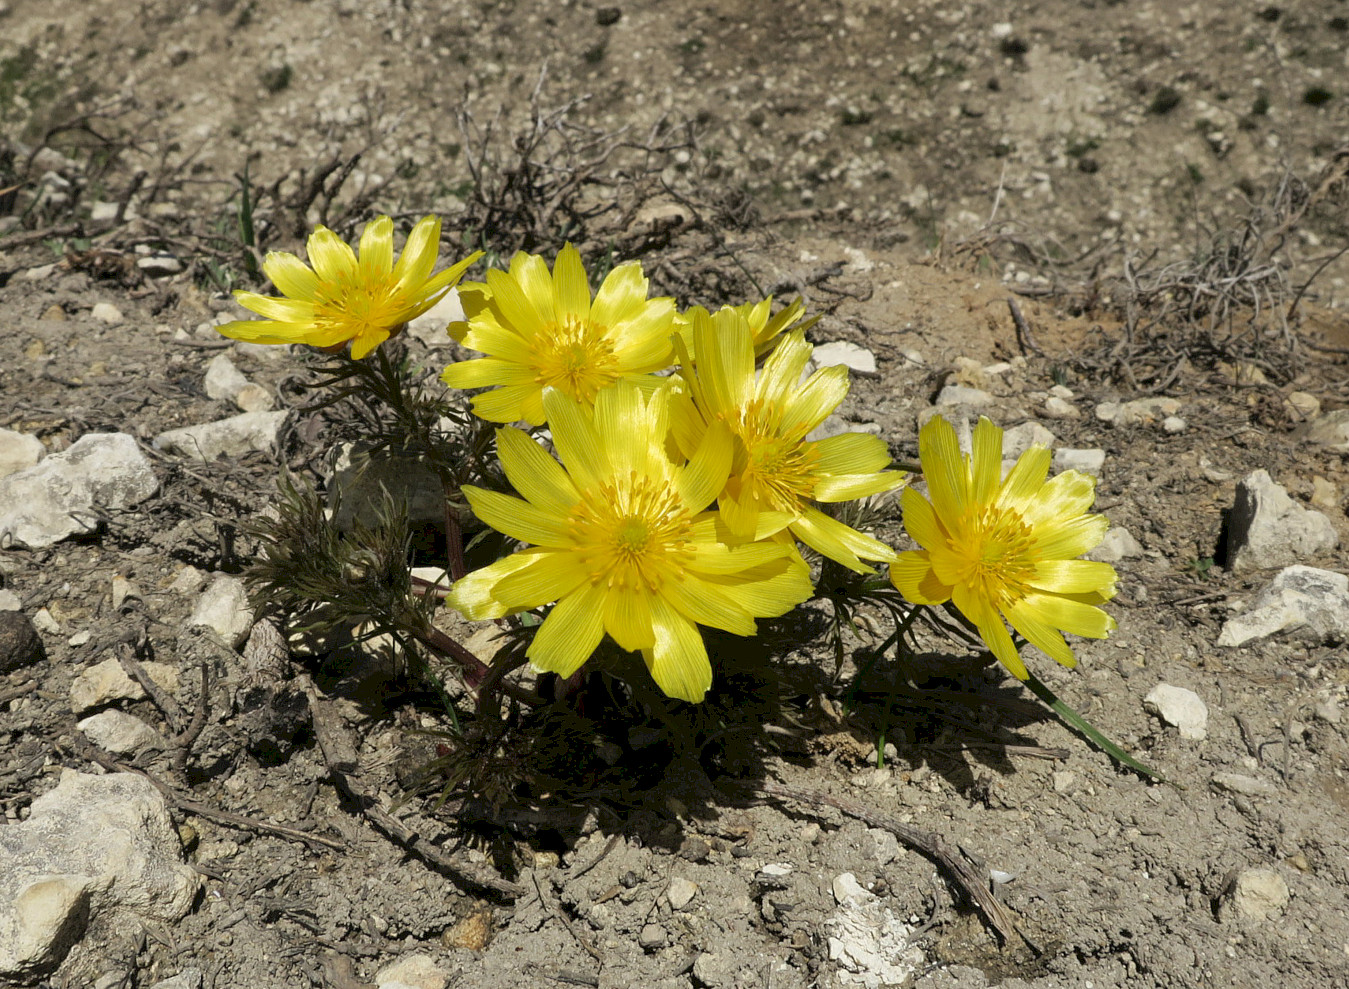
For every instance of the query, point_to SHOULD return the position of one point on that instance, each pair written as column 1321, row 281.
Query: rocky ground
column 1158, row 190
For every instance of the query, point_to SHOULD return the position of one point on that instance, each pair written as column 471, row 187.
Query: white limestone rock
column 1018, row 439
column 1142, row 411
column 1118, row 544
column 1255, row 895
column 230, row 437
column 94, row 844
column 1269, row 529
column 1084, row 461
column 432, row 326
column 869, row 943
column 120, row 733
column 223, row 380
column 223, row 607
column 1307, row 603
column 1330, row 431
column 63, row 495
column 417, row 971
column 18, row 451
column 106, row 683
column 851, row 356
column 1179, row 707
column 974, row 398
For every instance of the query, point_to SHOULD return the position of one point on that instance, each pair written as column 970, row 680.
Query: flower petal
column 991, row 628
column 851, row 453
column 846, row 487
column 627, row 617
column 913, row 577
column 330, row 255
column 986, row 454
column 291, row 276
column 506, row 404
column 570, row 634
column 1064, row 496
column 839, row 542
column 471, row 595
column 944, row 469
column 551, row 577
column 781, row 374
column 376, row 251
column 570, row 288
column 1071, row 616
column 485, row 372
column 577, row 441
column 678, row 658
column 620, row 296
column 813, row 403
column 1026, row 477
column 704, row 603
column 419, row 254
column 703, row 478
column 535, row 474
column 517, row 518
column 1040, row 634
column 281, row 310
column 1075, row 577
column 1068, row 538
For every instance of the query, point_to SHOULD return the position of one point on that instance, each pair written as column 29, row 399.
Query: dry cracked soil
column 1158, row 189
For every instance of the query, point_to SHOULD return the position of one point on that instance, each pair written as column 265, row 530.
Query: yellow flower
column 777, row 473
column 540, row 330
column 343, row 299
column 1005, row 547
column 764, row 329
column 622, row 544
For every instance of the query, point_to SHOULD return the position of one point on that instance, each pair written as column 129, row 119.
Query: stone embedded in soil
column 254, row 398
column 223, row 607
column 1268, row 529
column 106, row 312
column 230, row 437
column 869, row 943
column 1330, row 431
column 65, row 494
column 1180, row 708
column 432, row 326
column 188, row 978
column 652, row 937
column 1246, row 786
column 120, row 733
column 1060, row 408
column 417, row 971
column 223, row 380
column 1085, row 461
column 9, row 601
column 92, row 845
column 1174, row 425
column 681, row 892
column 1256, row 894
column 1138, row 412
column 974, row 398
column 1325, row 495
column 159, row 265
column 20, row 645
column 1018, row 439
column 851, row 356
column 1118, row 544
column 1307, row 603
column 359, row 484
column 106, row 683
column 18, row 451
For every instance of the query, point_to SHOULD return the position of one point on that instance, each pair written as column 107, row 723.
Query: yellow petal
column 570, row 286
column 991, row 629
column 1069, row 615
column 1075, row 577
column 1025, row 478
column 769, row 590
column 487, row 336
column 376, row 252
column 678, row 659
column 844, row 544
column 645, row 342
column 846, row 487
column 913, row 577
column 986, row 452
column 262, row 331
column 518, row 518
column 367, row 340
column 485, row 372
column 291, row 276
column 517, row 310
column 813, row 403
column 627, row 618
column 442, row 280
column 740, row 511
column 506, row 404
column 1064, row 540
column 621, row 295
column 281, row 310
column 570, row 633
column 1064, row 496
column 851, row 453
column 331, row 256
column 471, row 595
column 1041, row 635
column 531, row 273
column 551, row 577
column 577, row 441
column 719, row 558
column 703, row 603
column 725, row 359
column 419, row 253
column 781, row 374
column 534, row 473
column 944, row 469
column 702, row 479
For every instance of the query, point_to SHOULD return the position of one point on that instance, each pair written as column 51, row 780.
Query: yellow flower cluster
column 686, row 470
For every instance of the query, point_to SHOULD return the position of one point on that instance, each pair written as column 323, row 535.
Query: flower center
column 576, row 357
column 632, row 533
column 997, row 554
column 778, row 468
column 355, row 305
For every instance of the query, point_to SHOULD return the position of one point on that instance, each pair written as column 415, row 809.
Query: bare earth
column 907, row 168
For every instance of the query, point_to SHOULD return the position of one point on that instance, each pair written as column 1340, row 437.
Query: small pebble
column 1179, row 707
column 1058, row 408
column 681, row 892
column 106, row 312
column 652, row 937
column 1174, row 425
